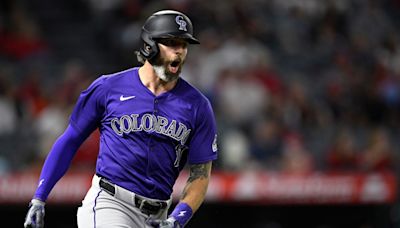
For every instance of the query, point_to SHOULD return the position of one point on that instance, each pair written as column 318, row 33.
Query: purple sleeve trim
column 58, row 160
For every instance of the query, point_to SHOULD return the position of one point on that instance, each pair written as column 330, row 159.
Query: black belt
column 146, row 206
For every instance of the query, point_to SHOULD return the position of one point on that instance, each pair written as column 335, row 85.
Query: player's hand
column 167, row 223
column 35, row 216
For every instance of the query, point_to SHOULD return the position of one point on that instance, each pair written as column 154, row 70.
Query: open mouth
column 174, row 66
column 175, row 63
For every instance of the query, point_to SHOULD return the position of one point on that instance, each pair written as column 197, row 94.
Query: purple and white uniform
column 145, row 139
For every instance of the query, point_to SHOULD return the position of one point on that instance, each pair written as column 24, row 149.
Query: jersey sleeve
column 84, row 120
column 58, row 160
column 203, row 145
column 89, row 108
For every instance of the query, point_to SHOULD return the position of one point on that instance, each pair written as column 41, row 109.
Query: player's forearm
column 58, row 161
column 196, row 186
column 193, row 194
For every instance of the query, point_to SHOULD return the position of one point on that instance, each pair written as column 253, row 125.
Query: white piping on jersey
column 150, row 123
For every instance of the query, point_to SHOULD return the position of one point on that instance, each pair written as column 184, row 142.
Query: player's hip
column 146, row 205
column 105, row 211
column 103, row 208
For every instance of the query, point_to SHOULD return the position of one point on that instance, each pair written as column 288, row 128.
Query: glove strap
column 182, row 213
column 37, row 202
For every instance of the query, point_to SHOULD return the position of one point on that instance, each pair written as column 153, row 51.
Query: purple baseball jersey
column 145, row 139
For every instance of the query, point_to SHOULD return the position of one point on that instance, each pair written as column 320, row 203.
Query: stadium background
column 306, row 95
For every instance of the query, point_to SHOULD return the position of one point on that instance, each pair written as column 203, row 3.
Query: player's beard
column 162, row 68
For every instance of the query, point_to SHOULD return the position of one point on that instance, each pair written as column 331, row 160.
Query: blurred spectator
column 51, row 122
column 378, row 154
column 75, row 79
column 388, row 92
column 266, row 144
column 8, row 120
column 343, row 154
column 99, row 8
column 293, row 31
column 299, row 109
column 241, row 97
column 30, row 96
column 296, row 157
column 370, row 22
column 17, row 138
column 203, row 69
column 264, row 71
column 237, row 52
column 21, row 39
column 389, row 53
column 234, row 150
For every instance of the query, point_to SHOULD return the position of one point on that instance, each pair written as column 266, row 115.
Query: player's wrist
column 35, row 201
column 181, row 214
column 173, row 221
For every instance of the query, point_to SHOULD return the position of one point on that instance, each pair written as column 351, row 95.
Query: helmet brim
column 190, row 39
column 187, row 37
column 193, row 40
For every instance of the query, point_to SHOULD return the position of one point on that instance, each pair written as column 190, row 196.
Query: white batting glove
column 167, row 223
column 35, row 216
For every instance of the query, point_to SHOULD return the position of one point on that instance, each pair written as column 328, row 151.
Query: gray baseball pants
column 102, row 210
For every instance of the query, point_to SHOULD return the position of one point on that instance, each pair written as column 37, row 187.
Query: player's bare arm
column 197, row 184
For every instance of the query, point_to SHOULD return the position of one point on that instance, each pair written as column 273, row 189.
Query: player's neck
column 149, row 79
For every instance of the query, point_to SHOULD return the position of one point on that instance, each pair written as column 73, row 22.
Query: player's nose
column 179, row 49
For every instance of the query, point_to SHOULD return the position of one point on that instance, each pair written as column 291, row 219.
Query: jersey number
column 179, row 149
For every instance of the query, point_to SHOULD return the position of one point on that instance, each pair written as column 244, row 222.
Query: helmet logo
column 147, row 47
column 181, row 22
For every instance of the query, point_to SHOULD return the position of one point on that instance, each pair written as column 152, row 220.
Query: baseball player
column 152, row 123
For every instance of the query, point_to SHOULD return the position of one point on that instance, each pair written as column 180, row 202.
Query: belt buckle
column 143, row 203
column 142, row 207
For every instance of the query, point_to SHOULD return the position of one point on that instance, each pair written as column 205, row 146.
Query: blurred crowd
column 296, row 85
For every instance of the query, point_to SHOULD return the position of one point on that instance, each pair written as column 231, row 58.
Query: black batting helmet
column 165, row 24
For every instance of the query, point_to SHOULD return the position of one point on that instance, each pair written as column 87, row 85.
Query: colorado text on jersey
column 150, row 123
